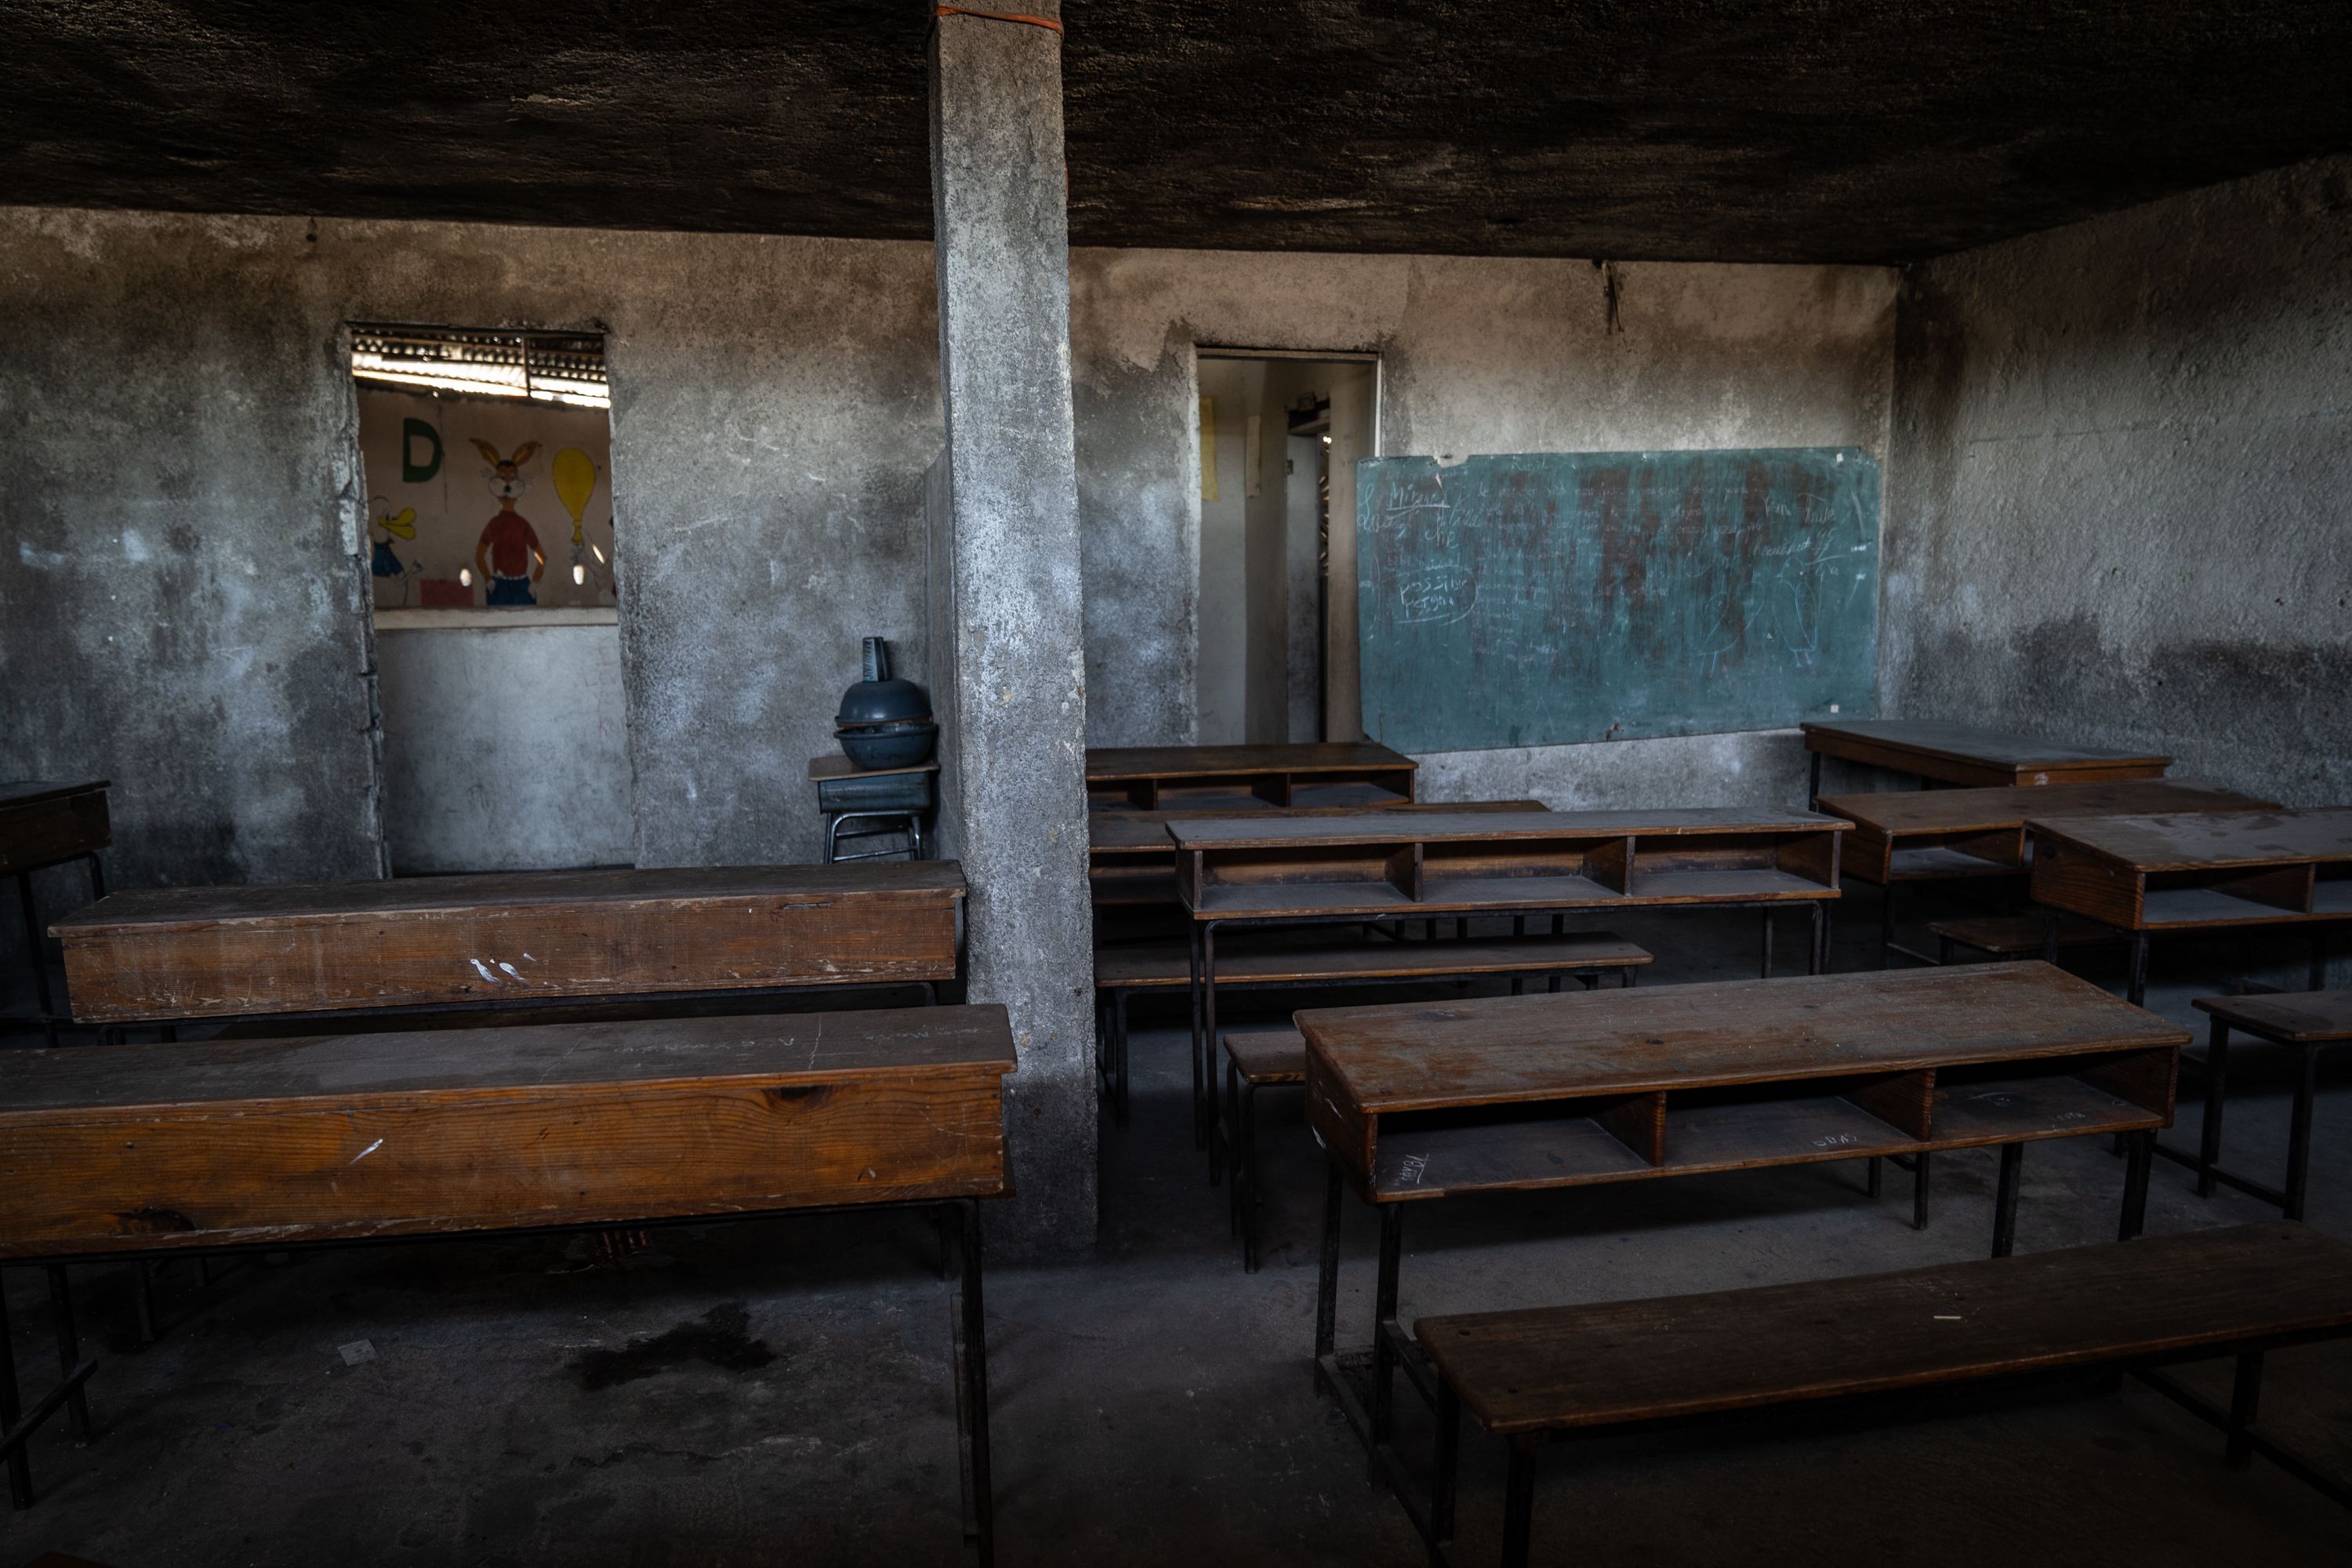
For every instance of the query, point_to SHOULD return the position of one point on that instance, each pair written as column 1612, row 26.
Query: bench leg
column 2208, row 1136
column 1886, row 925
column 1818, row 961
column 35, row 944
column 1919, row 1164
column 1518, row 1504
column 2245, row 1401
column 2135, row 1164
column 1246, row 1172
column 1200, row 1126
column 1384, row 1312
column 1766, row 970
column 1440, row 1495
column 1209, row 1041
column 2298, row 1136
column 2004, row 1203
column 1119, row 1043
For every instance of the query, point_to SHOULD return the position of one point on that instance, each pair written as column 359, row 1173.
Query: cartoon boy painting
column 508, row 554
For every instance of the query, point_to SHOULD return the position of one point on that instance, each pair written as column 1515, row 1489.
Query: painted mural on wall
column 458, row 501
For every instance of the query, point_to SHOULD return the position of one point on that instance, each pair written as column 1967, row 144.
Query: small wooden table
column 1947, row 835
column 2145, row 875
column 497, row 941
column 274, row 1144
column 1383, row 866
column 1160, row 778
column 1964, row 754
column 1419, row 1102
column 2309, row 1022
column 846, row 792
column 48, row 824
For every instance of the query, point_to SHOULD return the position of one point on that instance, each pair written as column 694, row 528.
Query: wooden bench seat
column 2307, row 1021
column 1530, row 1376
column 1316, row 958
column 2014, row 936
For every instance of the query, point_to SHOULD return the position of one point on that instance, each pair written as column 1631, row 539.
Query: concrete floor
column 757, row 1393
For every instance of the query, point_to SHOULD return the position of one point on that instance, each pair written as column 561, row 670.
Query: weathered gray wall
column 1477, row 355
column 181, row 593
column 2121, row 498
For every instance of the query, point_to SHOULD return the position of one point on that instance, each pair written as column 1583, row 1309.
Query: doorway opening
column 486, row 456
column 1280, row 433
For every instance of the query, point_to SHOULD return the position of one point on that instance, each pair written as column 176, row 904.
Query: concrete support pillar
column 1006, row 597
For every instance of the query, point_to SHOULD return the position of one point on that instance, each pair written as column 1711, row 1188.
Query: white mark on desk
column 1410, row 1169
column 510, row 968
column 484, row 970
column 366, row 1152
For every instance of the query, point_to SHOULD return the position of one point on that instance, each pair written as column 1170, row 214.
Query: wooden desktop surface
column 1108, row 764
column 44, row 822
column 342, row 1136
column 1966, row 754
column 1897, row 813
column 2205, row 842
column 1499, row 1049
column 187, row 952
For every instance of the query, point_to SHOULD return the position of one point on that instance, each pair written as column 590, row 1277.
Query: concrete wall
column 505, row 741
column 1477, row 355
column 182, row 427
column 183, row 587
column 2121, row 494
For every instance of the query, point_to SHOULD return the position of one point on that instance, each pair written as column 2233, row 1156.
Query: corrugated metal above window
column 544, row 367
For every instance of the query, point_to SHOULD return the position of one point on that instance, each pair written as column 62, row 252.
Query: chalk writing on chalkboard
column 1546, row 598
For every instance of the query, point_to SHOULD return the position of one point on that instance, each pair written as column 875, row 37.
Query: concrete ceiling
column 1871, row 130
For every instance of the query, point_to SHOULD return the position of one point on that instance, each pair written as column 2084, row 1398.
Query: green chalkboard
column 1546, row 598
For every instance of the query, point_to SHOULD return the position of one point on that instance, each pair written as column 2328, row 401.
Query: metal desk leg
column 1877, row 1175
column 69, row 1352
column 1119, row 1036
column 2245, row 1403
column 1209, row 1040
column 2134, row 1215
column 1767, row 969
column 1887, row 923
column 2004, row 1203
column 1813, row 788
column 1919, row 1165
column 2319, row 960
column 2298, row 1137
column 2209, row 1137
column 20, row 1463
column 1199, row 1127
column 2136, row 991
column 973, row 1386
column 1327, row 1281
column 38, row 949
column 1818, row 962
column 1384, row 1308
column 2050, row 938
column 1518, row 1503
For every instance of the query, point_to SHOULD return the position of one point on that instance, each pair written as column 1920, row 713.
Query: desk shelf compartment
column 1538, row 1143
column 1215, row 792
column 2226, row 897
column 2054, row 1097
column 1719, row 865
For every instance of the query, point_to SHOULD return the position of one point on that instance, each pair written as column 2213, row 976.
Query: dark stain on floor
column 720, row 1337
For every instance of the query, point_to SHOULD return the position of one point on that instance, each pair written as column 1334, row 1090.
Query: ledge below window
column 484, row 618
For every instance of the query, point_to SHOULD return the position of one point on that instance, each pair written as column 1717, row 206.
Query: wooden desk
column 887, row 802
column 1944, row 835
column 1964, row 754
column 2243, row 871
column 1132, row 860
column 273, row 1143
column 1383, row 866
column 1416, row 1104
column 2308, row 1023
column 1159, row 778
column 45, row 824
column 507, row 939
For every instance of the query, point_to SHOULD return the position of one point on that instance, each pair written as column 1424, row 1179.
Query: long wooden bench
column 1310, row 958
column 121, row 1152
column 1532, row 1375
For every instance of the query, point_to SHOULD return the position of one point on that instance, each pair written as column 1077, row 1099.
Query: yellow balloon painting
column 575, row 481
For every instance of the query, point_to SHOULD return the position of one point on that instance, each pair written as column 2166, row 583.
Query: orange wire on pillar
column 1048, row 23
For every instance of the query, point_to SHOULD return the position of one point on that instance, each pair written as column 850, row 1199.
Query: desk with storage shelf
column 1964, row 754
column 1371, row 867
column 2176, row 875
column 1418, row 1102
column 1308, row 773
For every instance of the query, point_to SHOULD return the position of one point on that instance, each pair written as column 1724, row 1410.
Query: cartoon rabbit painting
column 507, row 555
